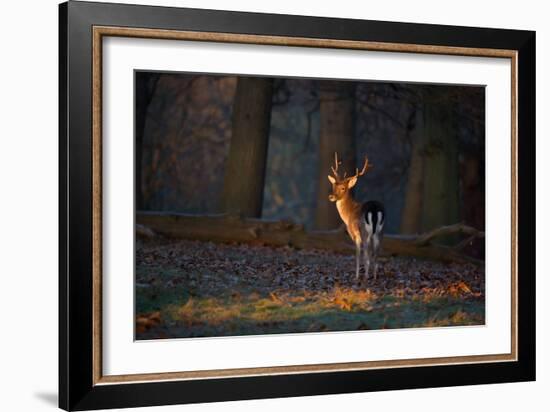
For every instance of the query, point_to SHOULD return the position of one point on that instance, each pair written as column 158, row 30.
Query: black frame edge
column 63, row 378
column 526, row 213
column 77, row 295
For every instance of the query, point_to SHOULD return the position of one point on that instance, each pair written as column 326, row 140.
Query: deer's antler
column 358, row 173
column 366, row 167
column 335, row 167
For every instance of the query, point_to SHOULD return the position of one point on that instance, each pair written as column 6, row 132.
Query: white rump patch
column 368, row 224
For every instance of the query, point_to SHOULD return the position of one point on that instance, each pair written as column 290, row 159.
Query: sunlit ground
column 194, row 289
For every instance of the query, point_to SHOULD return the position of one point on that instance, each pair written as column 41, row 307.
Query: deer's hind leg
column 367, row 246
column 375, row 247
column 366, row 256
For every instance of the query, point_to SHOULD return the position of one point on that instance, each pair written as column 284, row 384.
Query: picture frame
column 82, row 28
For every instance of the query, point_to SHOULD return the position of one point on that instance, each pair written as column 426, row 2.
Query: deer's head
column 342, row 185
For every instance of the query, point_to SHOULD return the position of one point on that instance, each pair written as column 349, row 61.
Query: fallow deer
column 364, row 222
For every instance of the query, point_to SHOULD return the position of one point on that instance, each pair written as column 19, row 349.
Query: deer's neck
column 348, row 208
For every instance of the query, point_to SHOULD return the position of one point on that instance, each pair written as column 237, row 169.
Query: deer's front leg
column 357, row 258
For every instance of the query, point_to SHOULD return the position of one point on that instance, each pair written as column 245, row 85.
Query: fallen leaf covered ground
column 196, row 289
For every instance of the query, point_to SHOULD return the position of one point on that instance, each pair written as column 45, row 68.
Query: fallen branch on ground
column 233, row 228
column 144, row 231
column 458, row 228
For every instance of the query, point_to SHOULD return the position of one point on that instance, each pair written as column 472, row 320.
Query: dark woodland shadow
column 49, row 398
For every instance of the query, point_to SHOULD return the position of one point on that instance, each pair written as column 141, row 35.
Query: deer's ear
column 331, row 179
column 352, row 181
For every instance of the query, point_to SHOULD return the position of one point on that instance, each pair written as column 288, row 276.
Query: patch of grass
column 192, row 288
column 156, row 290
column 336, row 310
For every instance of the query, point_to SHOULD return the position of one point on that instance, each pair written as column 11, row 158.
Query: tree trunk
column 472, row 189
column 337, row 134
column 245, row 168
column 473, row 199
column 411, row 216
column 441, row 184
column 145, row 84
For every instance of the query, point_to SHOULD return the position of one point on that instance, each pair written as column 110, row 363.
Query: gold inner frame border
column 101, row 31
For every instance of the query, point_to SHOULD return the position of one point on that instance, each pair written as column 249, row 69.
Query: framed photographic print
column 257, row 205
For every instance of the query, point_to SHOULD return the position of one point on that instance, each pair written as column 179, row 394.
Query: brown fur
column 352, row 214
